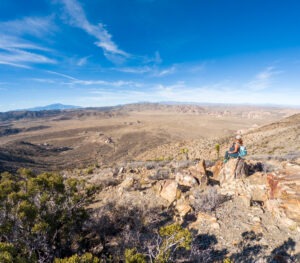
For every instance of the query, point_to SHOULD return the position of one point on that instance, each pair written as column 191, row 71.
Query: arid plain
column 79, row 138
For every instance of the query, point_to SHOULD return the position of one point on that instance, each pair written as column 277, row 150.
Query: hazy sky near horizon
column 107, row 52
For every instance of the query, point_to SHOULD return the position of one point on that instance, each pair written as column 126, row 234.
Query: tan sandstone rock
column 169, row 190
column 186, row 179
column 183, row 207
column 127, row 183
column 199, row 172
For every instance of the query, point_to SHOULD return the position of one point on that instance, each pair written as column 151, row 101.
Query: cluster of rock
column 276, row 191
column 250, row 195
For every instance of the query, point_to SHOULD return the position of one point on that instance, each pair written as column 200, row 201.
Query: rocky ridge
column 236, row 202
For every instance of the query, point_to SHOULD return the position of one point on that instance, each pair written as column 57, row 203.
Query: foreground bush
column 163, row 247
column 85, row 258
column 41, row 217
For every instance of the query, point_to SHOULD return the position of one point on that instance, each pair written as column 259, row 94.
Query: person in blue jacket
column 234, row 149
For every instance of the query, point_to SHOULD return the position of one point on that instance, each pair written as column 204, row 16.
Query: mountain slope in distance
column 56, row 106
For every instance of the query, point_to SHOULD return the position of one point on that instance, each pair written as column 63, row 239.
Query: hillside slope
column 277, row 140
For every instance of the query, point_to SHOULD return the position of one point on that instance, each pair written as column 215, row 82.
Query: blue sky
column 108, row 52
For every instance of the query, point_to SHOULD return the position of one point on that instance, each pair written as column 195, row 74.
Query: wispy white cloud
column 82, row 61
column 9, row 42
column 77, row 18
column 263, row 80
column 15, row 50
column 156, row 59
column 119, row 83
column 13, row 56
column 61, row 75
column 166, row 71
column 154, row 71
column 135, row 70
column 43, row 80
column 14, row 64
column 36, row 26
column 89, row 82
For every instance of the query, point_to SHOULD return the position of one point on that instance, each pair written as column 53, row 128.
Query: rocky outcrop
column 232, row 170
column 278, row 192
column 186, row 179
column 168, row 189
column 193, row 176
column 183, row 207
column 284, row 193
column 199, row 172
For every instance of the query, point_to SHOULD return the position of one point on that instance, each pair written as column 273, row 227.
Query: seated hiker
column 234, row 149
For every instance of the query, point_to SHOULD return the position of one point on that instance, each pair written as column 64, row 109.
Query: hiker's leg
column 233, row 155
column 226, row 155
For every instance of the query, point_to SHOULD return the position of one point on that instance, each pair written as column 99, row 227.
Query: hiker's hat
column 238, row 137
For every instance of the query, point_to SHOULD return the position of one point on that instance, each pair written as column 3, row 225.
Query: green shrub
column 41, row 215
column 85, row 258
column 217, row 148
column 90, row 170
column 173, row 237
column 132, row 256
column 184, row 151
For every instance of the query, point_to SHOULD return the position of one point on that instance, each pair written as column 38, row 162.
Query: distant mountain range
column 56, row 106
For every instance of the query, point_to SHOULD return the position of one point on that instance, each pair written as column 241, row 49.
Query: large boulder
column 216, row 169
column 169, row 190
column 278, row 191
column 186, row 179
column 233, row 169
column 127, row 183
column 183, row 207
column 199, row 172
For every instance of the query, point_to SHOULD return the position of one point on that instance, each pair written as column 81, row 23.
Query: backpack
column 242, row 151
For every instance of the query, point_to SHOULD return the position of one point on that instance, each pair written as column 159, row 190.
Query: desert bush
column 170, row 239
column 217, row 148
column 159, row 159
column 160, row 174
column 183, row 164
column 132, row 256
column 85, row 258
column 208, row 201
column 122, row 223
column 42, row 216
column 89, row 170
column 109, row 182
column 184, row 151
column 150, row 165
column 8, row 254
